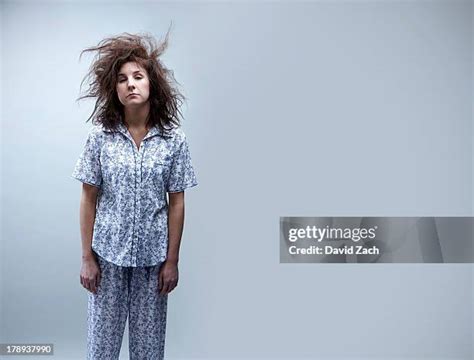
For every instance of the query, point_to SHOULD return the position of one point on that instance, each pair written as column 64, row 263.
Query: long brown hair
column 112, row 53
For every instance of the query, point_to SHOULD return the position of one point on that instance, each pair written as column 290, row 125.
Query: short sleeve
column 87, row 169
column 182, row 175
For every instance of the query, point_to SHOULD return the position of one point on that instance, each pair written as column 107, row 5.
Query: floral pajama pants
column 122, row 292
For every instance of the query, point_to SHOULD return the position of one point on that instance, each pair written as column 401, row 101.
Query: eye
column 138, row 78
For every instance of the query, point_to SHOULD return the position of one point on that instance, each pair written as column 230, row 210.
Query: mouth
column 132, row 95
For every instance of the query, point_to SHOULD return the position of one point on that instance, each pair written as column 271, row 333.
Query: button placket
column 134, row 232
column 138, row 172
column 137, row 175
column 138, row 157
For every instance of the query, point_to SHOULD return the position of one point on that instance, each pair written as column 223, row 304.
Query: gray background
column 294, row 109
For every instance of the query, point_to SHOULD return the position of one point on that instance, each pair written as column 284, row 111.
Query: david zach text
column 332, row 250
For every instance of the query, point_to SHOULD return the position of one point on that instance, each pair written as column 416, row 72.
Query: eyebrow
column 138, row 71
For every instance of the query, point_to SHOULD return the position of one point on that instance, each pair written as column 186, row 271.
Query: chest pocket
column 160, row 174
column 159, row 165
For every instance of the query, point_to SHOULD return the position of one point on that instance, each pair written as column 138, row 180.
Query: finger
column 93, row 287
column 160, row 281
column 99, row 276
column 86, row 284
column 165, row 287
column 162, row 289
column 171, row 286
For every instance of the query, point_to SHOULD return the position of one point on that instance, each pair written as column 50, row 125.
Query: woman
column 134, row 154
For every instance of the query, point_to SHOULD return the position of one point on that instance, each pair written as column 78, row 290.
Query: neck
column 136, row 118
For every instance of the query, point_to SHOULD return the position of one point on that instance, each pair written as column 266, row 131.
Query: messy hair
column 112, row 53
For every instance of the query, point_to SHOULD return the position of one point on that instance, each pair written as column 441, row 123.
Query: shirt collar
column 155, row 130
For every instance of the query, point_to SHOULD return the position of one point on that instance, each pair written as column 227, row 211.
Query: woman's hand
column 168, row 277
column 90, row 274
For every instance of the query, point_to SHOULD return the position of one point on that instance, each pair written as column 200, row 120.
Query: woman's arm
column 175, row 225
column 87, row 218
column 169, row 270
column 90, row 272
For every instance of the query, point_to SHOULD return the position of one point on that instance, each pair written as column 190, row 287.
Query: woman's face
column 132, row 79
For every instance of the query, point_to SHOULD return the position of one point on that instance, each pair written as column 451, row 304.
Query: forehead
column 130, row 68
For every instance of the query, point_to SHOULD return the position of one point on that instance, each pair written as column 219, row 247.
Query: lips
column 131, row 95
